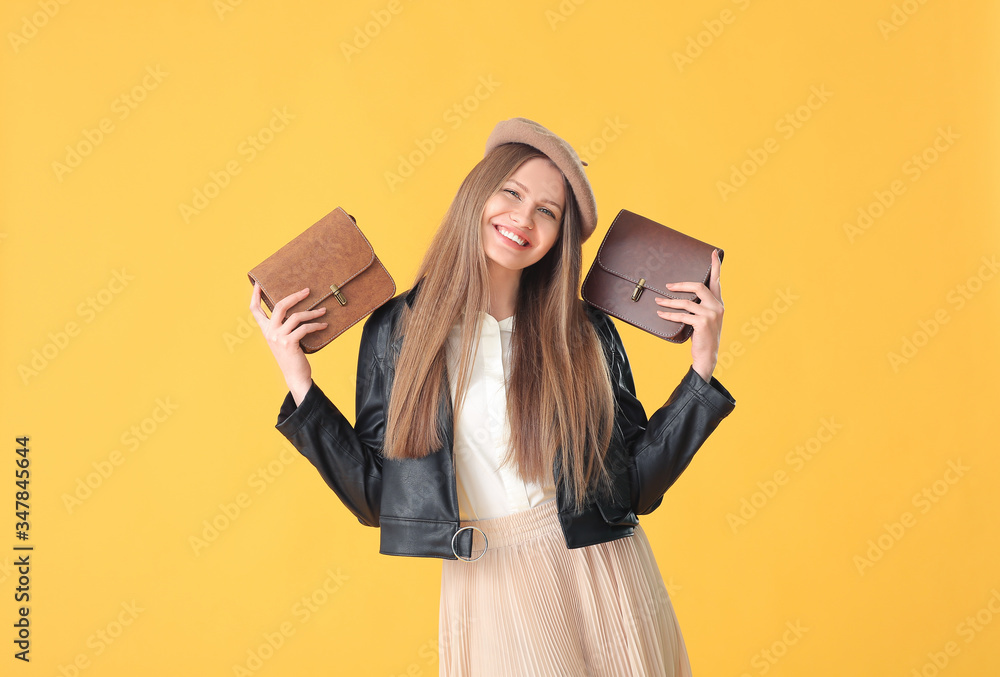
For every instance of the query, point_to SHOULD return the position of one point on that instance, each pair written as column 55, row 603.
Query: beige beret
column 523, row 130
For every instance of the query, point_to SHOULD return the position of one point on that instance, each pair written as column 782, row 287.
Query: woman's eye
column 518, row 197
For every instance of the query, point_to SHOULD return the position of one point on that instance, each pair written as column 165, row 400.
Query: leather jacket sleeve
column 663, row 446
column 347, row 457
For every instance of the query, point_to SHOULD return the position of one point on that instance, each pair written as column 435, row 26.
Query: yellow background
column 813, row 313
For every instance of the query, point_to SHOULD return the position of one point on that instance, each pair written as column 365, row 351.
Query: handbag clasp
column 638, row 289
column 340, row 296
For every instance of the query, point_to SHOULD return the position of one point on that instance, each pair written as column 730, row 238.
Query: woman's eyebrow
column 525, row 189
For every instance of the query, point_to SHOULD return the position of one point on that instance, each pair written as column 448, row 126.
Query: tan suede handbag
column 636, row 260
column 335, row 260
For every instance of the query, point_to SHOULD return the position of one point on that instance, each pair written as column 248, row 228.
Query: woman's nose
column 521, row 216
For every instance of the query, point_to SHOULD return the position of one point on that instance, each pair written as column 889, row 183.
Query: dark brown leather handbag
column 335, row 260
column 636, row 260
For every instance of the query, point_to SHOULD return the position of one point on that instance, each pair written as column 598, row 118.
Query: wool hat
column 523, row 130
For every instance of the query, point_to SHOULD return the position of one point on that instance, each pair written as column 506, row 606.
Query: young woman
column 497, row 427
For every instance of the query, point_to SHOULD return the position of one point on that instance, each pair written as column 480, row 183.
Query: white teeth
column 510, row 236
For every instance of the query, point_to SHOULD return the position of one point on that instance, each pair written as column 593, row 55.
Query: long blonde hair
column 559, row 394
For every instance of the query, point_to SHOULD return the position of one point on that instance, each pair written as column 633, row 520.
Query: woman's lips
column 496, row 227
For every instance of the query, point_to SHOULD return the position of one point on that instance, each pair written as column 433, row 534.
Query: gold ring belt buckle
column 471, row 559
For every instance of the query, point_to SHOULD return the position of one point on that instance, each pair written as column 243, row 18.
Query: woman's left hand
column 706, row 318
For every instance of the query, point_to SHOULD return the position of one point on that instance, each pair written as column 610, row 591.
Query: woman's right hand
column 283, row 336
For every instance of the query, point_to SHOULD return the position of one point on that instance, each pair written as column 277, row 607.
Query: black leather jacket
column 415, row 501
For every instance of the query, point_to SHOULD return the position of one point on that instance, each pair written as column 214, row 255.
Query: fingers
column 304, row 329
column 710, row 296
column 287, row 339
column 669, row 311
column 280, row 333
column 714, row 283
column 703, row 293
column 278, row 324
column 295, row 318
column 704, row 314
column 278, row 314
column 706, row 311
column 687, row 305
column 696, row 320
column 255, row 308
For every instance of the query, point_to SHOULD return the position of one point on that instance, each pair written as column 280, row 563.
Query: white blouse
column 482, row 433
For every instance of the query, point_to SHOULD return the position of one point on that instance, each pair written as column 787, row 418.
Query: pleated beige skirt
column 531, row 606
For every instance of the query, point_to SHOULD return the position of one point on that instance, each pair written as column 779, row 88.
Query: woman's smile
column 512, row 236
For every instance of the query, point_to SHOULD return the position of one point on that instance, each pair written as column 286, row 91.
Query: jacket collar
column 412, row 293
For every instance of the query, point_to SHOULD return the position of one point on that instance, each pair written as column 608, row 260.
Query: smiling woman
column 497, row 429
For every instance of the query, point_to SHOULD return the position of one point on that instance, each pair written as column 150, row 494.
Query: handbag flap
column 639, row 248
column 340, row 252
column 332, row 251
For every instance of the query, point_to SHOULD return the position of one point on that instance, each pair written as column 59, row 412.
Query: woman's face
column 528, row 205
